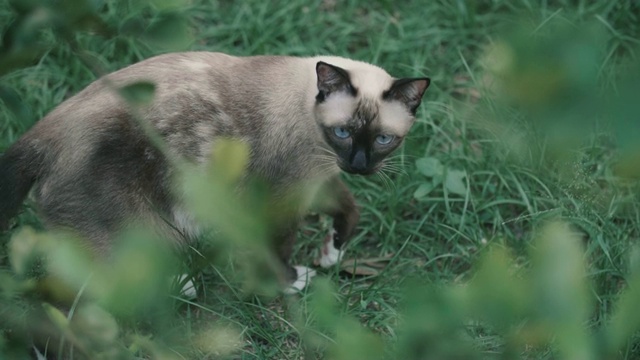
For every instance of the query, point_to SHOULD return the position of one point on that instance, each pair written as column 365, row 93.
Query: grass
column 525, row 160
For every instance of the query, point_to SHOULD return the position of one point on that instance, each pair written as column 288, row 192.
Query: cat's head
column 364, row 113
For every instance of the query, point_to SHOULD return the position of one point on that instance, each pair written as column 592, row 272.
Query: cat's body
column 92, row 168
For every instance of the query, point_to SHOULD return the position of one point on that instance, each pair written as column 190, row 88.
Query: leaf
column 455, row 183
column 230, row 158
column 56, row 316
column 430, row 166
column 356, row 342
column 95, row 323
column 495, row 292
column 423, row 190
column 360, row 270
column 170, row 31
column 365, row 267
column 139, row 93
column 25, row 251
column 563, row 298
column 625, row 320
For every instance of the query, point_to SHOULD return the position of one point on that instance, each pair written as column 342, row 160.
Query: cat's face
column 364, row 125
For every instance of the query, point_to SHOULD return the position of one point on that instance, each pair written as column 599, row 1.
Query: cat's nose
column 359, row 161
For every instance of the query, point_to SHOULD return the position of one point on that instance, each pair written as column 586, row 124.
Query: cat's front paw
column 330, row 255
column 303, row 278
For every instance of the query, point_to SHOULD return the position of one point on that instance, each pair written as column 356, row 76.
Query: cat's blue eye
column 341, row 132
column 384, row 139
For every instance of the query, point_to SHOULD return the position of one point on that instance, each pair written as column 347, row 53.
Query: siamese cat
column 91, row 168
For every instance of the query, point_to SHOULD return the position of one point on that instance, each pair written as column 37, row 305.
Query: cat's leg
column 345, row 214
column 303, row 277
column 296, row 277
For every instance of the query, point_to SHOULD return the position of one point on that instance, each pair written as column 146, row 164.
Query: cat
column 90, row 167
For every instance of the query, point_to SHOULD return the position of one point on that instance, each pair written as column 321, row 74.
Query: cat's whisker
column 390, row 184
column 394, row 169
column 323, row 156
column 327, row 151
column 393, row 184
column 396, row 161
column 325, row 166
column 385, row 179
column 325, row 161
column 404, row 157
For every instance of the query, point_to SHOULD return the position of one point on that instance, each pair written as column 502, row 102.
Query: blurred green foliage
column 527, row 160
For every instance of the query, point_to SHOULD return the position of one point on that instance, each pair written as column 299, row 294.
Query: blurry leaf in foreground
column 71, row 263
column 625, row 320
column 56, row 316
column 20, row 59
column 24, row 6
column 133, row 279
column 431, row 321
column 218, row 340
column 553, row 65
column 138, row 276
column 95, row 327
column 140, row 93
column 323, row 303
column 24, row 247
column 171, row 31
column 229, row 159
column 21, row 44
column 561, row 293
column 226, row 202
column 353, row 341
column 497, row 293
column 546, row 94
column 207, row 191
column 624, row 113
column 73, row 16
column 39, row 257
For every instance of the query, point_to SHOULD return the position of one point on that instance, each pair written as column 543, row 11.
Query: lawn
column 507, row 227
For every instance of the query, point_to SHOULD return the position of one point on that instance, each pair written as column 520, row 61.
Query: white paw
column 304, row 278
column 188, row 289
column 330, row 255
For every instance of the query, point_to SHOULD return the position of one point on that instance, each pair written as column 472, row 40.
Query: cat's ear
column 409, row 91
column 332, row 79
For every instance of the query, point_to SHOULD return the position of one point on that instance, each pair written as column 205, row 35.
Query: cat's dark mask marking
column 365, row 129
column 358, row 155
column 332, row 79
column 409, row 91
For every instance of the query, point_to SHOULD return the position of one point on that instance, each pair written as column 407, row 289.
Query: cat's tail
column 20, row 166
